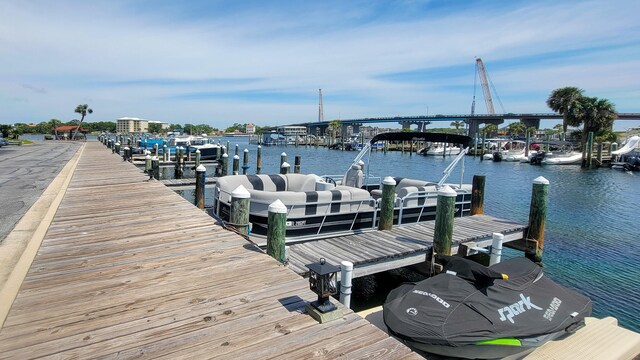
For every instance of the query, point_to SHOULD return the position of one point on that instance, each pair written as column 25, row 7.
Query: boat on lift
column 439, row 149
column 474, row 312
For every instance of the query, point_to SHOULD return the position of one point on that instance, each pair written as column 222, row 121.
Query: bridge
column 473, row 121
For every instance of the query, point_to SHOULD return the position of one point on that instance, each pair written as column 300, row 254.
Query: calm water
column 592, row 220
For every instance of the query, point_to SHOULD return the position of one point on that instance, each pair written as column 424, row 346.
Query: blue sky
column 221, row 62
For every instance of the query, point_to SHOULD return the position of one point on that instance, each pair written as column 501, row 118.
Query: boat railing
column 427, row 195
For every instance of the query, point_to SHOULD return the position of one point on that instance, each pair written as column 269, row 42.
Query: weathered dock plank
column 376, row 251
column 130, row 269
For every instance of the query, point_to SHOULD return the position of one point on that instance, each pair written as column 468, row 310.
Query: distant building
column 292, row 130
column 136, row 125
column 250, row 129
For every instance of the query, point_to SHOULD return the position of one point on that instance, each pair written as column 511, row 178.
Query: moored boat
column 319, row 206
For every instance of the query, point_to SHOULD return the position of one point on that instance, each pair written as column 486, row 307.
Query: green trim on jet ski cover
column 501, row 341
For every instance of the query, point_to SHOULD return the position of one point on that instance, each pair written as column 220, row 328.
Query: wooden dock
column 377, row 251
column 186, row 182
column 129, row 269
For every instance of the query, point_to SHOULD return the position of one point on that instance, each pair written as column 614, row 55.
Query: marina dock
column 377, row 251
column 127, row 268
column 120, row 266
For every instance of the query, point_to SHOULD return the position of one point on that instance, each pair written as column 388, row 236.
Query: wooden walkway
column 187, row 182
column 377, row 251
column 129, row 269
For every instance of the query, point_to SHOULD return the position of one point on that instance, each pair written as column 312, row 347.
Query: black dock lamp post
column 323, row 281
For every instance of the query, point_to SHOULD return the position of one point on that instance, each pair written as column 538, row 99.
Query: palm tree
column 565, row 102
column 597, row 115
column 517, row 128
column 457, row 124
column 82, row 110
column 490, row 129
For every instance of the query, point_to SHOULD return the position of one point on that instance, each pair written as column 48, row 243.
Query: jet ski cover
column 449, row 310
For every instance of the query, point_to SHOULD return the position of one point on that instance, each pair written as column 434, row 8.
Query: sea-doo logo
column 433, row 296
column 553, row 307
column 517, row 308
column 412, row 311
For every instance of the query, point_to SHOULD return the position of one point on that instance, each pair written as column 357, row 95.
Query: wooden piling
column 477, row 195
column 225, row 165
column 296, row 164
column 284, row 168
column 239, row 213
column 155, row 149
column 283, row 158
column 534, row 235
column 188, row 152
column 586, row 162
column 155, row 167
column 527, row 143
column 147, row 163
column 198, row 157
column 276, row 231
column 236, row 164
column 164, row 153
column 599, row 149
column 236, row 151
column 445, row 211
column 484, row 140
column 201, row 174
column 245, row 162
column 386, row 203
column 259, row 160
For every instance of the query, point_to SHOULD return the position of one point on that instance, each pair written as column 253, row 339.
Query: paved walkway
column 25, row 172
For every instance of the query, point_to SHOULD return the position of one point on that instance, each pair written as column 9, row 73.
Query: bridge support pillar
column 405, row 124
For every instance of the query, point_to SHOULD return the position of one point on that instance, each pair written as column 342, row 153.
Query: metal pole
column 496, row 248
column 346, row 274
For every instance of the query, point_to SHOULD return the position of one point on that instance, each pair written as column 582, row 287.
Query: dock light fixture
column 322, row 281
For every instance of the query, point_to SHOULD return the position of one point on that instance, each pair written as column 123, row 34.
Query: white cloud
column 74, row 52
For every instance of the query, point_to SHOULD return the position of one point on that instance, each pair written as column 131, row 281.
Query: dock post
column 228, row 147
column 115, row 146
column 155, row 149
column 236, row 152
column 236, row 164
column 386, row 203
column 239, row 213
column 225, row 164
column 198, row 157
column 444, row 153
column 599, row 148
column 245, row 162
column 484, row 140
column 283, row 158
column 155, row 167
column 296, row 164
column 284, row 168
column 276, row 231
column 218, row 152
column 164, row 153
column 527, row 143
column 201, row 175
column 188, row 152
column 346, row 274
column 537, row 218
column 586, row 162
column 477, row 195
column 147, row 163
column 445, row 212
column 496, row 248
column 259, row 160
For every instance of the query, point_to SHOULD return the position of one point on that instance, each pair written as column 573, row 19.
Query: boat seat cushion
column 296, row 191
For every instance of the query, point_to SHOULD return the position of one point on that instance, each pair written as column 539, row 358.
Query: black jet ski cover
column 451, row 311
